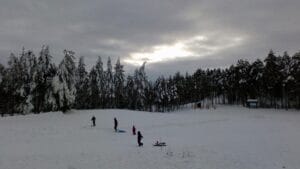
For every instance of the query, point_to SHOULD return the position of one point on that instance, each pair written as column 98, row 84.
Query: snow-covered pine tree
column 44, row 99
column 199, row 78
column 119, row 85
column 172, row 94
column 100, row 81
column 64, row 82
column 109, row 85
column 93, row 90
column 166, row 96
column 180, row 86
column 82, row 83
column 136, row 90
column 159, row 88
column 130, row 93
column 189, row 88
column 28, row 65
column 96, row 88
column 150, row 97
column 141, row 84
column 12, row 85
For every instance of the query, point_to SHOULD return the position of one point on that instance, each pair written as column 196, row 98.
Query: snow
column 229, row 137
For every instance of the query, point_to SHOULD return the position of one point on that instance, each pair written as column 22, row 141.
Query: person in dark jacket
column 93, row 121
column 133, row 130
column 139, row 138
column 115, row 124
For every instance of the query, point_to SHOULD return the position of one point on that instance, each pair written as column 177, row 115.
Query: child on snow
column 139, row 139
column 93, row 119
column 115, row 124
column 133, row 130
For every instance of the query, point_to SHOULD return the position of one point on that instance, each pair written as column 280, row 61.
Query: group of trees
column 35, row 84
column 274, row 82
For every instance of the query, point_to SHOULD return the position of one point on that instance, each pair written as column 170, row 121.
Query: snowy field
column 225, row 138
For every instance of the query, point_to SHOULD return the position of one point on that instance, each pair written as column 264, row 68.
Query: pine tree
column 255, row 79
column 93, row 90
column 159, row 93
column 190, row 89
column 141, row 85
column 179, row 84
column 229, row 84
column 241, row 80
column 286, row 79
column 131, row 93
column 28, row 65
column 43, row 94
column 12, row 85
column 119, row 85
column 101, row 82
column 272, row 78
column 82, row 83
column 150, row 97
column 109, row 85
column 201, row 85
column 65, row 82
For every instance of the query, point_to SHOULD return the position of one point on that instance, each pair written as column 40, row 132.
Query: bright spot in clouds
column 160, row 54
column 198, row 46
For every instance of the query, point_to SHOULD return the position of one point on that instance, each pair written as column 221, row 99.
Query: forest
column 35, row 84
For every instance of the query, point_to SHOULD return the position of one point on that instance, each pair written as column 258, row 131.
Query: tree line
column 34, row 84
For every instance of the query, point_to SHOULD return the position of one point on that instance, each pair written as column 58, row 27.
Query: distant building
column 252, row 103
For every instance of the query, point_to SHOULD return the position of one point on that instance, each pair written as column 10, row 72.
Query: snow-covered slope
column 225, row 138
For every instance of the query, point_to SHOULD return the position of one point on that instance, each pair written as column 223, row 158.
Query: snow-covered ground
column 229, row 137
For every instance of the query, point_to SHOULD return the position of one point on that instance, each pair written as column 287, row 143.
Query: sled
column 121, row 131
column 160, row 144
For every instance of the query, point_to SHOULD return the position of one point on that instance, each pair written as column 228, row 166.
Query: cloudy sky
column 171, row 35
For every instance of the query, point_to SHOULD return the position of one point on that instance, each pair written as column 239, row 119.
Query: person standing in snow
column 93, row 121
column 115, row 124
column 139, row 139
column 133, row 130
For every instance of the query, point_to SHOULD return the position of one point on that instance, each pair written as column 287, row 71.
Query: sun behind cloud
column 197, row 46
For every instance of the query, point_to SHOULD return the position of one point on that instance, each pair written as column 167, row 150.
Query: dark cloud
column 119, row 28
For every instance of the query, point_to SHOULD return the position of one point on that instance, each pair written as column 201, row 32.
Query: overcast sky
column 171, row 35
